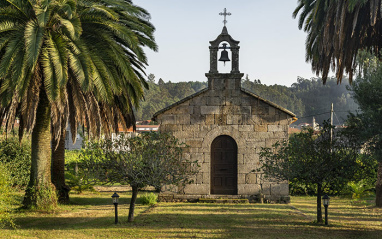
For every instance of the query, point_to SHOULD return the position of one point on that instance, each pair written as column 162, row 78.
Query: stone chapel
column 225, row 127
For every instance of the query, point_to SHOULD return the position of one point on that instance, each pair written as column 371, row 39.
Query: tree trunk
column 378, row 186
column 132, row 203
column 40, row 193
column 319, row 211
column 58, row 168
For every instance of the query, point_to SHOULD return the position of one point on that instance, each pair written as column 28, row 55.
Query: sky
column 272, row 48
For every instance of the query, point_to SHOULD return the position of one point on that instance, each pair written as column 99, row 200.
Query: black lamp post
column 115, row 202
column 325, row 201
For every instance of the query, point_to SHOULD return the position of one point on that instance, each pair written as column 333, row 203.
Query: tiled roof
column 139, row 128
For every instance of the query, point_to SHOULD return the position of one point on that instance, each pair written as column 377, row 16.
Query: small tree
column 312, row 159
column 152, row 159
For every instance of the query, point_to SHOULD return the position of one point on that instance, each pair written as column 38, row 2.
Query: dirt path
column 121, row 188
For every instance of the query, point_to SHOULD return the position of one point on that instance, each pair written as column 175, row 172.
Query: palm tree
column 91, row 109
column 69, row 60
column 32, row 72
column 337, row 31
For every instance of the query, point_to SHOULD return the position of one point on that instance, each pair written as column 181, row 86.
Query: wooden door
column 224, row 166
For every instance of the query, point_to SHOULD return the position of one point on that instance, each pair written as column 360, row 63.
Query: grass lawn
column 91, row 215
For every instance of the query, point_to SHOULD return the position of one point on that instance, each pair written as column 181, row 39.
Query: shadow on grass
column 184, row 225
column 90, row 201
column 213, row 206
column 99, row 200
column 186, row 220
column 190, row 221
column 239, row 222
column 102, row 198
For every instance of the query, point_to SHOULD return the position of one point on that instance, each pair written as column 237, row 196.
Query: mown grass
column 91, row 215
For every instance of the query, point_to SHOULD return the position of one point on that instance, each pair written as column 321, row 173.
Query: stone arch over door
column 224, row 166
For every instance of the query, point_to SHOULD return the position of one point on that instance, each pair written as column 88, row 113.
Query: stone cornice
column 217, row 75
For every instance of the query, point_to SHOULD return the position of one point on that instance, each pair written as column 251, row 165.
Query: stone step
column 222, row 196
column 223, row 200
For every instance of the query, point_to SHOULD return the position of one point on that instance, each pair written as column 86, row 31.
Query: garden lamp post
column 115, row 202
column 325, row 201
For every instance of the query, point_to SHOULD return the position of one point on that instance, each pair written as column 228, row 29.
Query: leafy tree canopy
column 151, row 159
column 313, row 159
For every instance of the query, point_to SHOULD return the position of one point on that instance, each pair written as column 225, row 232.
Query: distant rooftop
column 139, row 128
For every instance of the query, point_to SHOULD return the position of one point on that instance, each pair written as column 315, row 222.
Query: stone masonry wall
column 226, row 109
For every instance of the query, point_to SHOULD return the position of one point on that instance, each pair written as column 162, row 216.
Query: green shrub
column 76, row 179
column 362, row 184
column 16, row 158
column 360, row 189
column 6, row 198
column 367, row 172
column 297, row 188
column 72, row 156
column 149, row 199
column 75, row 176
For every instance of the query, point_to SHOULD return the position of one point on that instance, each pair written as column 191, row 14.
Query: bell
column 224, row 56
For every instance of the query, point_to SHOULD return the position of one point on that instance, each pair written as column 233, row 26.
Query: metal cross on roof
column 225, row 14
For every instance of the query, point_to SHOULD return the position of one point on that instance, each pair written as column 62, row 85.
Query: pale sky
column 272, row 48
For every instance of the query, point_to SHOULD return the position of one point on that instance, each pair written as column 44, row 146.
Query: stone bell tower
column 216, row 80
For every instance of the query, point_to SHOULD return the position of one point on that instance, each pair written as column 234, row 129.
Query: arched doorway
column 224, row 166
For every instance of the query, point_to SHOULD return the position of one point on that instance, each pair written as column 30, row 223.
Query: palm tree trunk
column 378, row 186
column 40, row 193
column 58, row 168
column 132, row 203
column 319, row 210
